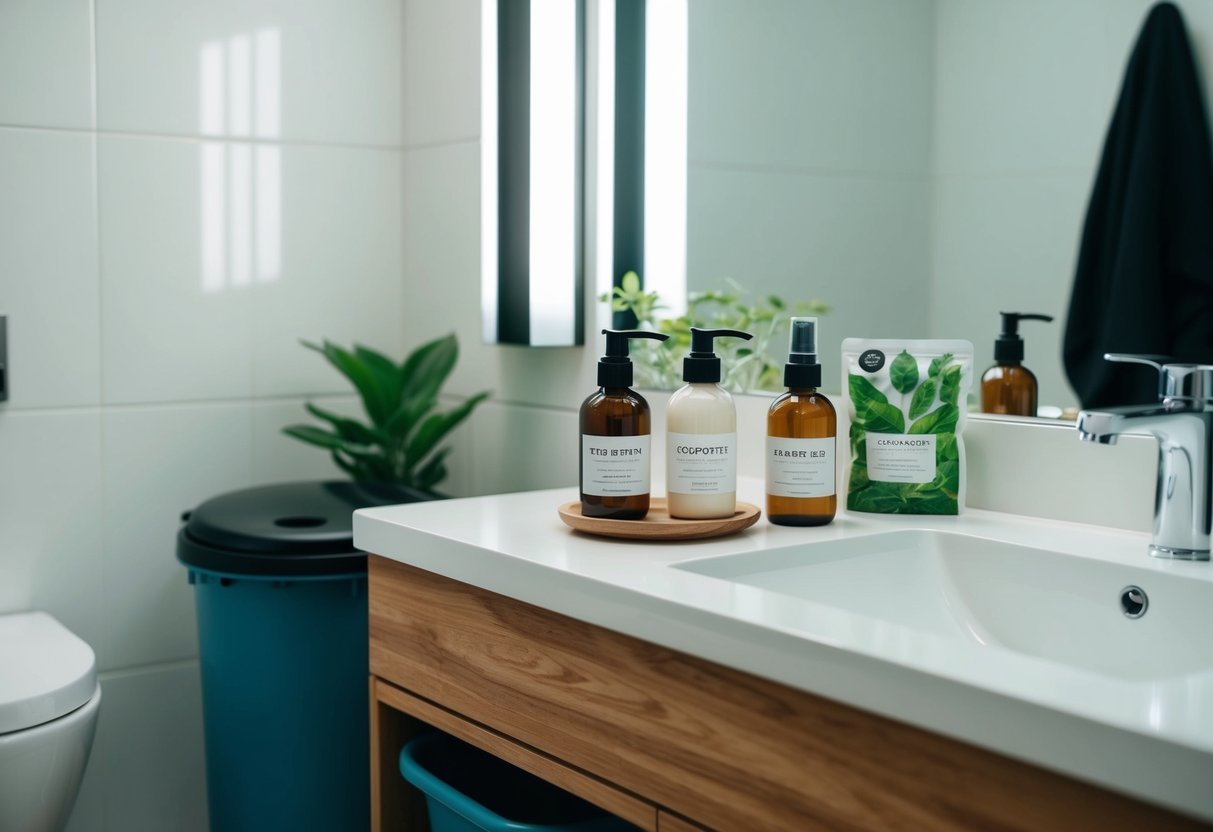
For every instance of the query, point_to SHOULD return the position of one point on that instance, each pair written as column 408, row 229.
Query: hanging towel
column 1144, row 281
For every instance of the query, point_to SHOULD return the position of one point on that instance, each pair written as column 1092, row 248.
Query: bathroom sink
column 1133, row 623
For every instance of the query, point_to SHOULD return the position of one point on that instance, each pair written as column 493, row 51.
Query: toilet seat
column 46, row 671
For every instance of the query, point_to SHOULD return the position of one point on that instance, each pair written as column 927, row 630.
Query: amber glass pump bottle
column 1009, row 387
column 802, row 432
column 615, row 427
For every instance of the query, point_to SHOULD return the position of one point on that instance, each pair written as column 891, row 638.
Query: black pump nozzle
column 615, row 368
column 702, row 364
column 1008, row 348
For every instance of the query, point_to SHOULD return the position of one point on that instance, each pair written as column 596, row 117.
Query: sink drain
column 1133, row 601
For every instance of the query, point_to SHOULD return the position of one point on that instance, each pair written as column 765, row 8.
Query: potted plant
column 398, row 444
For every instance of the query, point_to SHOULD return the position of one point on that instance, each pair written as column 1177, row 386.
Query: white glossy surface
column 48, row 671
column 41, row 768
column 46, row 63
column 996, row 595
column 305, row 71
column 1151, row 737
column 49, row 284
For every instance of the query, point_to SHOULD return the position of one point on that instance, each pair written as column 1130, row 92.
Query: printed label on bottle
column 614, row 466
column 901, row 457
column 701, row 463
column 800, row 467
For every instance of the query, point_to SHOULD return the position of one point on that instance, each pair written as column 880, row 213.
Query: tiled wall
column 186, row 190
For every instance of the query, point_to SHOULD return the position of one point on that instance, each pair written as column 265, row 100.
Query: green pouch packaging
column 907, row 401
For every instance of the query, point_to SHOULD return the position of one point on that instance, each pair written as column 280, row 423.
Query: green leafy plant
column 748, row 365
column 399, row 443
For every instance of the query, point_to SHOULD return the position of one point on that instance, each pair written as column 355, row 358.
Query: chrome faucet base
column 1170, row 553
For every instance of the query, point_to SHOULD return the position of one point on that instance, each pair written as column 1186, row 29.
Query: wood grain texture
column 722, row 748
column 603, row 795
column 672, row 823
column 394, row 806
column 658, row 524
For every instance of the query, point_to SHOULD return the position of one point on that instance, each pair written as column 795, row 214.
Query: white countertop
column 1152, row 739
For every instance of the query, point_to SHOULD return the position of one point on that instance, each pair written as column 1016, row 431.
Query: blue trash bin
column 469, row 790
column 282, row 638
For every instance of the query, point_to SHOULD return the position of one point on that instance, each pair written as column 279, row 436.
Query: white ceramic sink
column 1045, row 604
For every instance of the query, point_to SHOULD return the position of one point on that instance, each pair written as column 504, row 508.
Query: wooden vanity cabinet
column 674, row 743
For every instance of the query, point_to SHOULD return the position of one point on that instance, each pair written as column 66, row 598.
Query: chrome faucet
column 1182, row 421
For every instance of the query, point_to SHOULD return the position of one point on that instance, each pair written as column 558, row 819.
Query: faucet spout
column 1183, row 498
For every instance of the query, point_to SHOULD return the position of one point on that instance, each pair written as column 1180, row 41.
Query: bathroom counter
column 1149, row 739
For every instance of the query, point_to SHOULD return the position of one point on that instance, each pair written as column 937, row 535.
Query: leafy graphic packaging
column 907, row 402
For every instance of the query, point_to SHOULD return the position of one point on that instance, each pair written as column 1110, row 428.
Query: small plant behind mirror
column 748, row 365
column 399, row 443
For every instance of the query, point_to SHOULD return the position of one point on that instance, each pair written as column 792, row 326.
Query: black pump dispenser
column 615, row 368
column 702, row 364
column 802, row 370
column 1008, row 349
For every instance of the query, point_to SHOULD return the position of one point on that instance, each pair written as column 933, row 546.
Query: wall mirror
column 919, row 165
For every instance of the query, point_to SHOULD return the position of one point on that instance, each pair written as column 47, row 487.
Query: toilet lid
column 46, row 671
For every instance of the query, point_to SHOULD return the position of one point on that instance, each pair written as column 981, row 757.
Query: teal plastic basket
column 468, row 790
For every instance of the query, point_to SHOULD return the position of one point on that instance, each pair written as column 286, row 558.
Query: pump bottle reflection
column 1009, row 387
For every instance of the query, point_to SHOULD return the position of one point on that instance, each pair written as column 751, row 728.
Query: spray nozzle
column 615, row 368
column 1009, row 346
column 802, row 369
column 702, row 364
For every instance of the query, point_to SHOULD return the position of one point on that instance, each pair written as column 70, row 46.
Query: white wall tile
column 817, row 84
column 214, row 69
column 520, row 448
column 441, row 71
column 49, row 286
column 174, row 327
column 340, row 257
column 160, row 462
column 147, row 772
column 51, row 556
column 861, row 245
column 46, row 63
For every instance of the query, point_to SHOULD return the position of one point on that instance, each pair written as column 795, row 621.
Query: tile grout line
column 198, row 139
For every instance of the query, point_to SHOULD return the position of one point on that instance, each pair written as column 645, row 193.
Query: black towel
column 1144, row 282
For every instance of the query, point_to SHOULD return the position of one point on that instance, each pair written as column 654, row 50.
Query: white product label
column 614, row 466
column 701, row 463
column 901, row 457
column 800, row 467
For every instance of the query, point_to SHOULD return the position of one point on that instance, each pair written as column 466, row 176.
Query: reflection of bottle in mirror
column 615, row 437
column 801, row 437
column 1009, row 387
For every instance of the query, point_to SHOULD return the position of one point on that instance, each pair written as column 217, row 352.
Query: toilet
column 49, row 699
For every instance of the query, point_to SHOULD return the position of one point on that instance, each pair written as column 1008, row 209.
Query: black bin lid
column 298, row 529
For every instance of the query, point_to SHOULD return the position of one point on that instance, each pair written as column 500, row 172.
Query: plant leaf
column 314, row 436
column 346, row 428
column 949, row 385
column 434, row 470
column 938, row 364
column 435, row 427
column 427, row 367
column 924, row 397
column 940, row 420
column 359, row 375
column 386, row 375
column 864, row 394
column 903, row 373
column 884, row 418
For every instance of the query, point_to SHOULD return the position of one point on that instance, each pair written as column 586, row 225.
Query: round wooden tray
column 658, row 524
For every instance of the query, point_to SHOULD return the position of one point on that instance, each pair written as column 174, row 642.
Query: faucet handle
column 1181, row 385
